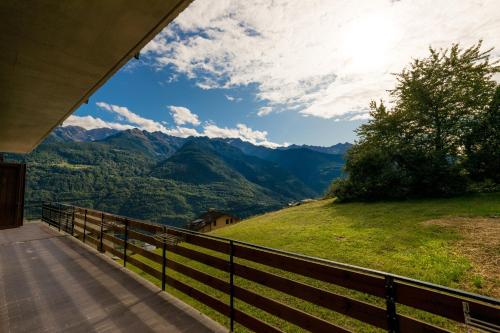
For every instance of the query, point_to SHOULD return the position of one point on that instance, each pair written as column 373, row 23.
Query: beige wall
column 220, row 223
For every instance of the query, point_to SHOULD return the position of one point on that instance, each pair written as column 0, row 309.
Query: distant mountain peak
column 80, row 134
column 339, row 148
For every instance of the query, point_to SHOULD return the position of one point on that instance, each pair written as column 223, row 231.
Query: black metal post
column 59, row 218
column 84, row 225
column 73, row 222
column 125, row 244
column 43, row 213
column 66, row 221
column 231, row 284
column 164, row 263
column 390, row 301
column 102, row 225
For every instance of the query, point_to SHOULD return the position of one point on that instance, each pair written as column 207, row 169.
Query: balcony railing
column 373, row 298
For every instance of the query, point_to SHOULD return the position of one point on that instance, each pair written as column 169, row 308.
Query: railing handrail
column 443, row 301
column 369, row 271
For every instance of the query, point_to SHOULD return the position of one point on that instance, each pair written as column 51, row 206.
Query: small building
column 212, row 220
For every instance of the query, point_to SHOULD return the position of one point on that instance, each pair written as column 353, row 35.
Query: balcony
column 81, row 272
column 50, row 282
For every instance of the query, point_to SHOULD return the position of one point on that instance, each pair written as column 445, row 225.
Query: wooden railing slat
column 149, row 227
column 93, row 213
column 144, row 267
column 201, row 241
column 199, row 276
column 342, row 277
column 203, row 258
column 253, row 323
column 356, row 309
column 145, row 253
column 143, row 237
column 90, row 220
column 113, row 239
column 89, row 228
column 285, row 312
column 91, row 240
column 411, row 325
column 112, row 250
column 198, row 295
column 444, row 305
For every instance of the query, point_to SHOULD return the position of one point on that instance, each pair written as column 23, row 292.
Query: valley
column 171, row 180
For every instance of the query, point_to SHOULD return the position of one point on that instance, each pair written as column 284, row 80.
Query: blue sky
column 275, row 73
column 146, row 92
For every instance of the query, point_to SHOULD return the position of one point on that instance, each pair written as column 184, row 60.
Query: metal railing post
column 84, row 225
column 66, row 221
column 390, row 301
column 43, row 214
column 102, row 226
column 59, row 218
column 125, row 244
column 231, row 285
column 73, row 222
column 164, row 261
column 48, row 214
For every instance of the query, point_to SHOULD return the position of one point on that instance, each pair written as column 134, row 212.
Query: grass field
column 453, row 242
column 418, row 239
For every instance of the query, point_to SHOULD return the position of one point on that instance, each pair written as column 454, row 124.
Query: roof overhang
column 55, row 54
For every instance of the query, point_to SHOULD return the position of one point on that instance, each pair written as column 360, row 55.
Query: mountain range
column 171, row 180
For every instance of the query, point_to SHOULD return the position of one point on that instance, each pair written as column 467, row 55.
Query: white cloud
column 324, row 58
column 183, row 115
column 361, row 116
column 89, row 122
column 264, row 111
column 242, row 132
column 125, row 114
column 233, row 99
column 133, row 120
column 183, row 132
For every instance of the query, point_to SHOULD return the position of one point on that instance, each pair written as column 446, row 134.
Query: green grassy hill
column 453, row 242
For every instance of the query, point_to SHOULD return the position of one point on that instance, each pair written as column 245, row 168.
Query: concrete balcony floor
column 50, row 282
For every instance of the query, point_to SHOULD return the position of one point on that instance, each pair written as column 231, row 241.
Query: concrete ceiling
column 54, row 54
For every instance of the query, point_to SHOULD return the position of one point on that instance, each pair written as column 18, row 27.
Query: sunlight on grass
column 386, row 236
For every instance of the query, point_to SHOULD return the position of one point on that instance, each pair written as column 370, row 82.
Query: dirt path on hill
column 481, row 245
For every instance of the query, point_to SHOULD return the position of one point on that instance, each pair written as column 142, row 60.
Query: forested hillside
column 171, row 180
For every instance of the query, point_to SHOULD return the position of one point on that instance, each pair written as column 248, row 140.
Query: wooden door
column 11, row 195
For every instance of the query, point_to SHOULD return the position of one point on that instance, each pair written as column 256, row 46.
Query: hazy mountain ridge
column 337, row 149
column 169, row 179
column 79, row 134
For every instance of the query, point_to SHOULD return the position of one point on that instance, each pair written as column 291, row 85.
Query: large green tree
column 435, row 135
column 483, row 145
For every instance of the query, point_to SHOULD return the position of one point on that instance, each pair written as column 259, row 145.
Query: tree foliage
column 441, row 133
